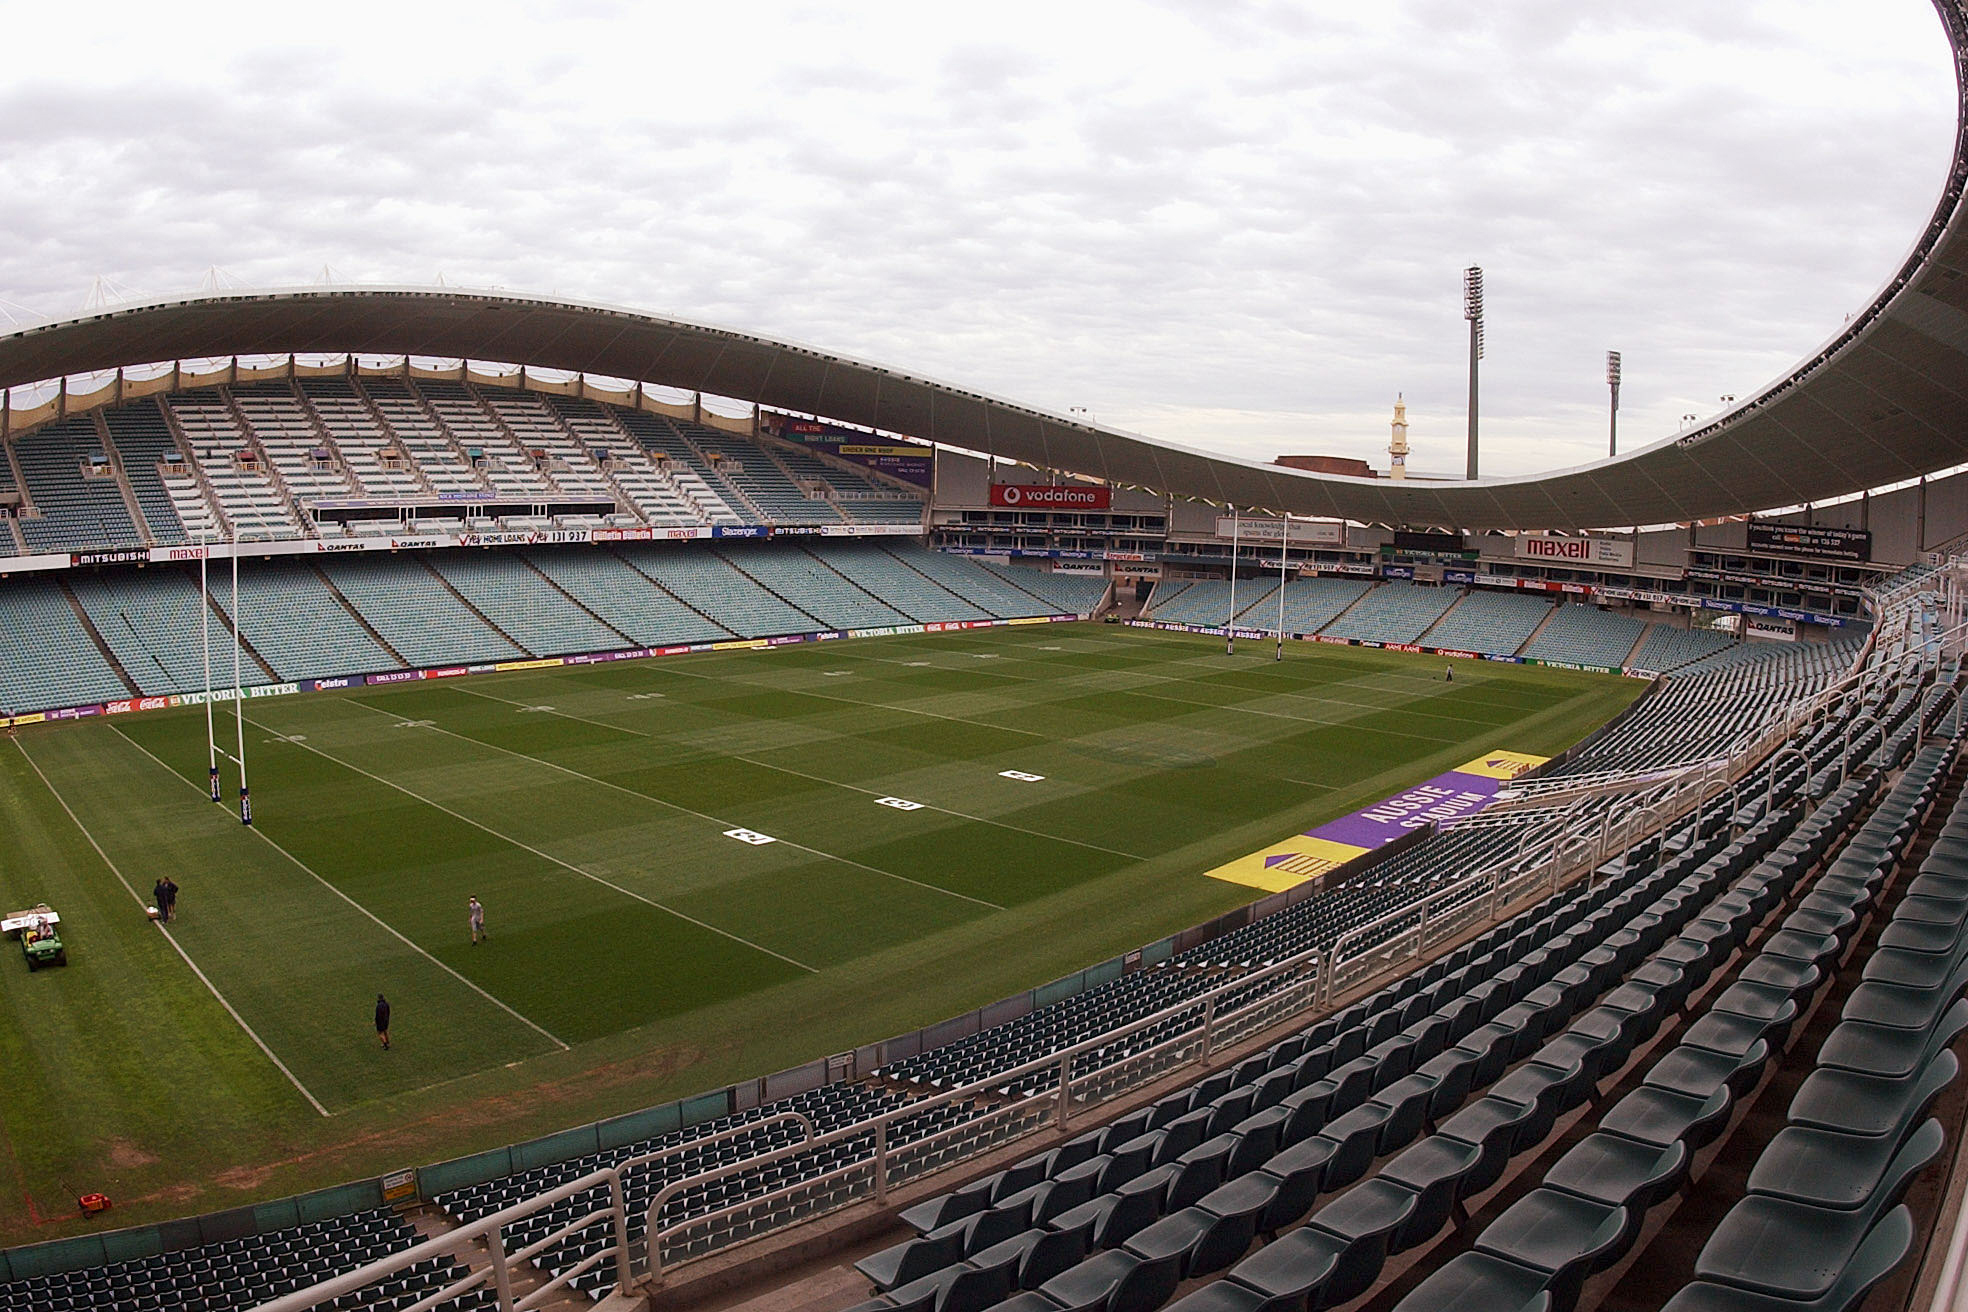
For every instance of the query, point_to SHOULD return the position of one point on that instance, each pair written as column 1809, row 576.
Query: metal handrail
column 492, row 1230
column 1060, row 1062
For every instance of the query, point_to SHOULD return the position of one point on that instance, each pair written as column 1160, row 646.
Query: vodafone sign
column 1044, row 496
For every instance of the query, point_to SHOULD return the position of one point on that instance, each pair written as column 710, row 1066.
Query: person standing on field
column 477, row 922
column 383, row 1019
column 167, row 890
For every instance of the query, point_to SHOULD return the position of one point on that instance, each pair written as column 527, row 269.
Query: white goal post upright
column 205, row 648
column 1283, row 542
column 1230, row 620
column 238, row 693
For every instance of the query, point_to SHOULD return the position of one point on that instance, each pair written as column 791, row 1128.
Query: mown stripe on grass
column 164, row 929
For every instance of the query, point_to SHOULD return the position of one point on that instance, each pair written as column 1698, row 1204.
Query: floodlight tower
column 1613, row 420
column 1472, row 310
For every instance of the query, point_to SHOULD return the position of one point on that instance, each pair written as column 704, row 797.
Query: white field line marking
column 387, row 928
column 1226, row 706
column 164, row 929
column 852, row 701
column 1088, row 678
column 684, row 810
column 814, row 778
column 722, row 824
column 544, row 856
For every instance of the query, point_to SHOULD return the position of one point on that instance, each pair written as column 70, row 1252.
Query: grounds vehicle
column 39, row 934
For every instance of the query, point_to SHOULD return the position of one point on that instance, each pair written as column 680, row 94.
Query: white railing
column 1184, row 1034
column 497, row 1273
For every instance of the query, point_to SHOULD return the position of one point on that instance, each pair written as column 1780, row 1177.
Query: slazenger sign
column 1044, row 496
column 1583, row 551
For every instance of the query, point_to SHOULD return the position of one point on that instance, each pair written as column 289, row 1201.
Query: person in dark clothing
column 383, row 1019
column 158, row 900
column 168, row 908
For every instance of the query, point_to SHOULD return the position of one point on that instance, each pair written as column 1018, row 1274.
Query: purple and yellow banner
column 1463, row 791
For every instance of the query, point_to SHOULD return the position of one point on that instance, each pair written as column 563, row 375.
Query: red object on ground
column 93, row 1203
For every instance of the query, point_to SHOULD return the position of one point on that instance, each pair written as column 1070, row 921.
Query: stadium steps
column 195, row 467
column 383, row 425
column 590, row 611
column 782, row 597
column 1536, row 633
column 249, row 433
column 245, row 644
column 13, row 536
column 1664, row 1262
column 833, row 569
column 1351, row 606
column 720, row 482
column 466, row 602
column 1008, row 577
column 342, row 600
column 708, row 618
column 122, row 480
column 938, row 584
column 82, row 618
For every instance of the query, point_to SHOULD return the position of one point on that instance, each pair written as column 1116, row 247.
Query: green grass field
column 638, row 953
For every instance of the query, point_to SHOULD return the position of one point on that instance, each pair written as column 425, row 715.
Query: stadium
column 925, row 852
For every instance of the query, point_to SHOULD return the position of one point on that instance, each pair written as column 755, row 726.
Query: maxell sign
column 1608, row 553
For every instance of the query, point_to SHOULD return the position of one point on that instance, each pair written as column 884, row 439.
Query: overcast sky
column 1239, row 226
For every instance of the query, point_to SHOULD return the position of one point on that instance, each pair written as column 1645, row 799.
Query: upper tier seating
column 143, row 439
column 757, row 473
column 631, row 467
column 679, row 461
column 300, row 452
column 1586, row 635
column 506, row 466
column 47, row 658
column 402, row 415
column 77, row 512
column 250, row 503
column 1485, row 621
column 1394, row 612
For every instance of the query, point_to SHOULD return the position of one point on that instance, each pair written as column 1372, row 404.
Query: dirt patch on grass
column 408, row 1140
column 122, row 1155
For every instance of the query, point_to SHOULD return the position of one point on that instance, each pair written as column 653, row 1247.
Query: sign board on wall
column 1610, row 553
column 1776, row 628
column 898, row 458
column 1853, row 544
column 1046, row 496
column 1304, row 532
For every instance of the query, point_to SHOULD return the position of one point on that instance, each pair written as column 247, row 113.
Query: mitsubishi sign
column 1609, row 553
column 1047, row 496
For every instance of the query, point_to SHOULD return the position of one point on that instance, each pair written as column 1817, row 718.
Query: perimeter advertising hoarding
column 1047, row 496
column 1610, row 552
column 1307, row 532
column 893, row 456
column 1853, row 544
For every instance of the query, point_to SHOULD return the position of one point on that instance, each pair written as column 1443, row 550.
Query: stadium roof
column 1883, row 401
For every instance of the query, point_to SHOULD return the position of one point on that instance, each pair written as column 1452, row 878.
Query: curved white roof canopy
column 1885, row 400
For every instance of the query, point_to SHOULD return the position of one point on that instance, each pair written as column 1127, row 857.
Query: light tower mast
column 1397, row 448
column 1472, row 310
